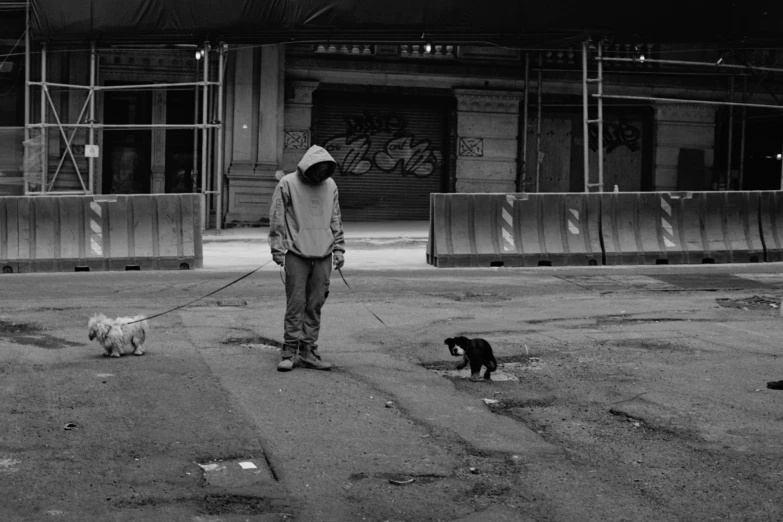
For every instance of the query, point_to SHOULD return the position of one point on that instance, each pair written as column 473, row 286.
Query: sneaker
column 775, row 385
column 286, row 365
column 308, row 360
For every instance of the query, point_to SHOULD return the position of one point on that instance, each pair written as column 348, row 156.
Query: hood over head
column 316, row 166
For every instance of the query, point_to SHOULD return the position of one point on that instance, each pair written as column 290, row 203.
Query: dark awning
column 497, row 21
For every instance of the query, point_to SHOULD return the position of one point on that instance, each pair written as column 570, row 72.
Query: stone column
column 487, row 128
column 242, row 190
column 269, row 112
column 298, row 122
column 256, row 134
column 682, row 131
column 158, row 185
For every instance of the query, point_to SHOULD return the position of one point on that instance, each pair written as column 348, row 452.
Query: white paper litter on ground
column 247, row 465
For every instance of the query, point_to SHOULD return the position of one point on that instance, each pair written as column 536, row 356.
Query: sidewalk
column 368, row 233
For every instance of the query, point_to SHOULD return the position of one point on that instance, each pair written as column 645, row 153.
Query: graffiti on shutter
column 399, row 148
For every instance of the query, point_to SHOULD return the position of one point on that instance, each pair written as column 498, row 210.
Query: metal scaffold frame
column 600, row 96
column 212, row 132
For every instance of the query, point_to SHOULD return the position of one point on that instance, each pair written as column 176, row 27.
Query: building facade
column 403, row 121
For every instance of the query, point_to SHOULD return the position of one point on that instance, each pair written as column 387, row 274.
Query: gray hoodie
column 305, row 218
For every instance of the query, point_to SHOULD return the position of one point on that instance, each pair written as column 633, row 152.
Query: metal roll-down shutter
column 391, row 152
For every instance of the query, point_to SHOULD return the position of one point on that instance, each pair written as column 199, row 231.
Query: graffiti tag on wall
column 399, row 148
column 616, row 135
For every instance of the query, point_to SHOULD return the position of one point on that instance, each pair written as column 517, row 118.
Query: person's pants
column 306, row 288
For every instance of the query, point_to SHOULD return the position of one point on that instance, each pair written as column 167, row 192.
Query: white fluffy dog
column 116, row 336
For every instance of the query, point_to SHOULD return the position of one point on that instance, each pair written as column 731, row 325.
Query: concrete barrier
column 771, row 224
column 84, row 233
column 722, row 227
column 577, row 229
column 681, row 228
column 473, row 230
column 643, row 228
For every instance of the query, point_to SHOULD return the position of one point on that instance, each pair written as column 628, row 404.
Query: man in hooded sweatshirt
column 306, row 238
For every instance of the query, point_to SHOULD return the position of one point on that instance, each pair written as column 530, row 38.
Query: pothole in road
column 234, row 504
column 7, row 328
column 28, row 335
column 509, row 368
column 255, row 342
column 756, row 302
column 211, row 504
column 472, row 297
column 651, row 425
column 236, row 473
column 612, row 320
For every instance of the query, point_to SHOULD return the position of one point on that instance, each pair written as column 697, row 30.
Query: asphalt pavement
column 622, row 393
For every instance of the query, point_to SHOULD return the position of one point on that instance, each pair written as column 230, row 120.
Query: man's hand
column 338, row 260
column 279, row 259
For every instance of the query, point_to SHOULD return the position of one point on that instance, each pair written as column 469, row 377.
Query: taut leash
column 205, row 296
column 339, row 271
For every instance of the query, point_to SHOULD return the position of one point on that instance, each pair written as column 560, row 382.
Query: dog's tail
column 492, row 364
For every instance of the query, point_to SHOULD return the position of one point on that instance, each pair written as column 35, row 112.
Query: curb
column 358, row 242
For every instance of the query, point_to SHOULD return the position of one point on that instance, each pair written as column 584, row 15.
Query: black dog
column 476, row 352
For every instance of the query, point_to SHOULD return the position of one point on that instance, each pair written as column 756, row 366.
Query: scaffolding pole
column 146, row 87
column 123, row 126
column 679, row 100
column 91, row 139
column 585, row 118
column 781, row 170
column 731, row 133
column 742, row 136
column 538, row 122
column 194, row 169
column 522, row 140
column 27, row 82
column 44, row 134
column 717, row 65
column 219, row 153
column 600, row 123
column 204, row 115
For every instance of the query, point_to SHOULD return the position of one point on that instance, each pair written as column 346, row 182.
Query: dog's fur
column 476, row 352
column 116, row 336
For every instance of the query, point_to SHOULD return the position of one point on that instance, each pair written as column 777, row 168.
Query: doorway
column 127, row 152
column 182, row 145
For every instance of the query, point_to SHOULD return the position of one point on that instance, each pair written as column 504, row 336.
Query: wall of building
column 271, row 109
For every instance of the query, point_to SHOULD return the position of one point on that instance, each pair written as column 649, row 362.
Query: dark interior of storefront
column 127, row 162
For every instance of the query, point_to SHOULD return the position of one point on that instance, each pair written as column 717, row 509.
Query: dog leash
column 205, row 296
column 339, row 271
